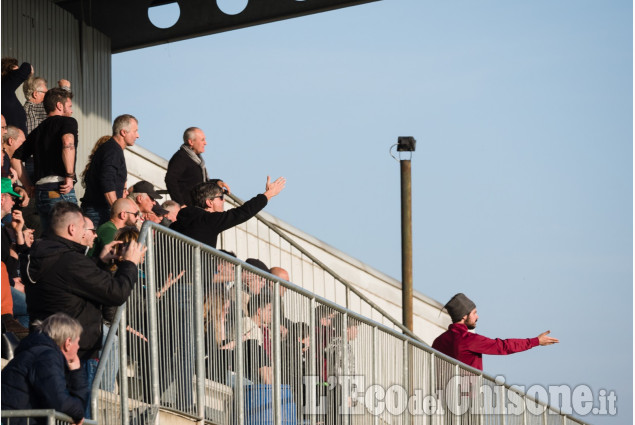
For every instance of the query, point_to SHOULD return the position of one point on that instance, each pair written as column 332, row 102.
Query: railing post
column 312, row 363
column 375, row 366
column 123, row 364
column 457, row 395
column 199, row 296
column 152, row 319
column 239, row 390
column 406, row 379
column 502, row 405
column 277, row 356
column 346, row 372
column 434, row 417
column 103, row 364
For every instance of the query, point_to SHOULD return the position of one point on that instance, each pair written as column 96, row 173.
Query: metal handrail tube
column 51, row 414
column 112, row 334
column 200, row 337
column 349, row 286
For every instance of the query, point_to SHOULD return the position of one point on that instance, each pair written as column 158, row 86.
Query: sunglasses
column 222, row 197
column 136, row 214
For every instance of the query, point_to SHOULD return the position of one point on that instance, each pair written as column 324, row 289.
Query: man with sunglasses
column 124, row 213
column 208, row 218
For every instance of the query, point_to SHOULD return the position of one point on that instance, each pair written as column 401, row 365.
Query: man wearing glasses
column 208, row 218
column 124, row 212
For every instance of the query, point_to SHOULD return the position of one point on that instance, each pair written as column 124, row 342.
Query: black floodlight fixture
column 406, row 144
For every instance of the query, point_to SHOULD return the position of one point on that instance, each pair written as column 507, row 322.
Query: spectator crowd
column 67, row 264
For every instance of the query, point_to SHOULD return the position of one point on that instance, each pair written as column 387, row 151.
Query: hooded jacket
column 39, row 378
column 60, row 278
column 205, row 226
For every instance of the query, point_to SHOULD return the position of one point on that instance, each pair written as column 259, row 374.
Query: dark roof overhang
column 127, row 24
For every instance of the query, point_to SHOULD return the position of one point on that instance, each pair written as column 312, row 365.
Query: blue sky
column 522, row 178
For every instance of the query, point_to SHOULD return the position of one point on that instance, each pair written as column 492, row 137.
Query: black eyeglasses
column 136, row 214
column 92, row 230
column 222, row 197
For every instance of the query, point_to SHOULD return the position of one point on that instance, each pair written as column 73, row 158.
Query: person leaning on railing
column 46, row 372
column 469, row 347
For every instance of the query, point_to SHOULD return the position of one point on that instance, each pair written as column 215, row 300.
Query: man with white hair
column 34, row 90
column 145, row 196
column 186, row 168
column 107, row 173
column 46, row 372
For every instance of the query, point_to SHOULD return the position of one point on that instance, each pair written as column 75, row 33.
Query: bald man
column 124, row 212
column 282, row 274
column 285, row 323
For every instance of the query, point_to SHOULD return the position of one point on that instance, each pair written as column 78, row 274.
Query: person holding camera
column 61, row 278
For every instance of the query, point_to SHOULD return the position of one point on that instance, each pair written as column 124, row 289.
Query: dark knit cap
column 459, row 306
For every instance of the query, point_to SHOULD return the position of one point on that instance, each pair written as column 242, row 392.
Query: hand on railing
column 543, row 339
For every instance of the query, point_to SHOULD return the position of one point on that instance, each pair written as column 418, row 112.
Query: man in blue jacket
column 46, row 372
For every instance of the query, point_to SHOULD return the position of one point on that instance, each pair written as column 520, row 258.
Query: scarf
column 196, row 158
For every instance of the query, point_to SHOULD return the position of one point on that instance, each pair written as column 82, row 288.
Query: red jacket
column 469, row 347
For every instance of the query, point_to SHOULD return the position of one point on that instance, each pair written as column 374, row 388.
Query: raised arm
column 272, row 189
column 544, row 339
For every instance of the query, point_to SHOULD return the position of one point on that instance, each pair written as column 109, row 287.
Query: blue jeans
column 46, row 199
column 90, row 368
column 98, row 215
column 19, row 307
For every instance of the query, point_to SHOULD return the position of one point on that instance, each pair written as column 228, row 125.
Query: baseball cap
column 145, row 187
column 7, row 187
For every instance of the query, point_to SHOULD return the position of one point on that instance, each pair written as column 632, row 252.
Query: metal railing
column 262, row 239
column 210, row 338
column 33, row 416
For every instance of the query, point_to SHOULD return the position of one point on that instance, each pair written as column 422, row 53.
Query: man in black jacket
column 46, row 372
column 186, row 168
column 106, row 174
column 61, row 278
column 208, row 218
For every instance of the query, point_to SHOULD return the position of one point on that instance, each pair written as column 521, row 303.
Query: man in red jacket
column 469, row 347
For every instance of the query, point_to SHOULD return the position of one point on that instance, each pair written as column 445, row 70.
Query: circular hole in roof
column 164, row 13
column 232, row 7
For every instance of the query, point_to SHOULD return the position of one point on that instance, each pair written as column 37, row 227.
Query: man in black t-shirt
column 53, row 146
